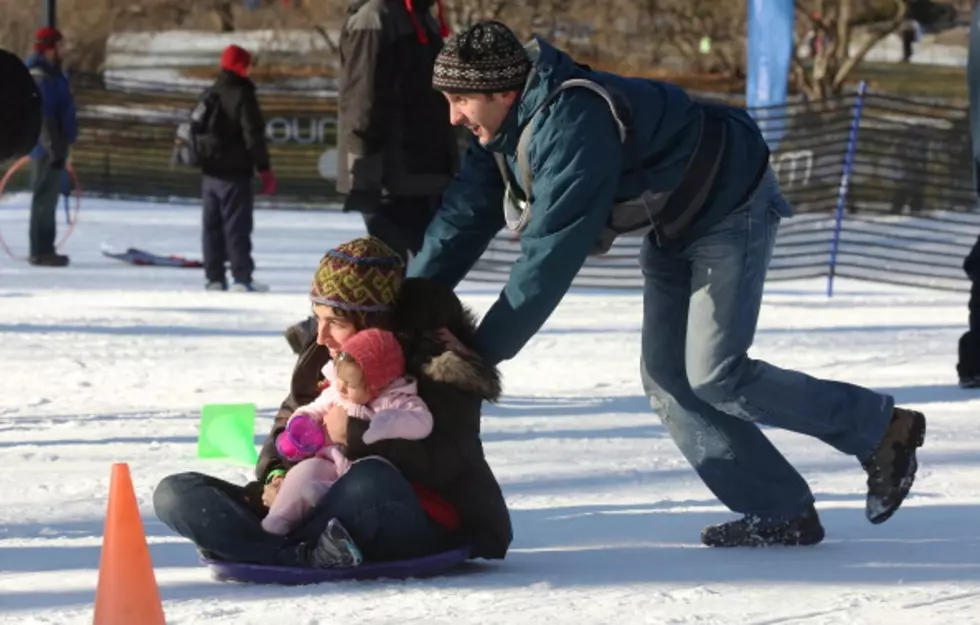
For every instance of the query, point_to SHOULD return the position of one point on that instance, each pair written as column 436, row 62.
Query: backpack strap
column 518, row 199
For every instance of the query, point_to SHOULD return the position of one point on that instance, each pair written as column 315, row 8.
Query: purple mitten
column 306, row 434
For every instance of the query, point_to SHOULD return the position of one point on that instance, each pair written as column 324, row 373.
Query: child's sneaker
column 335, row 549
column 249, row 287
column 215, row 285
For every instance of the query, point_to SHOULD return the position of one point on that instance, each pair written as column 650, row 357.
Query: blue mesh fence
column 909, row 214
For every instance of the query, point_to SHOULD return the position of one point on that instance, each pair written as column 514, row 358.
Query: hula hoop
column 74, row 217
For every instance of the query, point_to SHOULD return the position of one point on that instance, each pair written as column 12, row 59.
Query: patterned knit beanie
column 362, row 277
column 485, row 58
column 379, row 356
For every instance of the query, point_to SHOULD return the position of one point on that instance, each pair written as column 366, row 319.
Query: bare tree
column 224, row 15
column 464, row 13
column 17, row 26
column 830, row 24
column 684, row 24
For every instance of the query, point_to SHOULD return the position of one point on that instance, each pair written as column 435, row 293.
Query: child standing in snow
column 368, row 379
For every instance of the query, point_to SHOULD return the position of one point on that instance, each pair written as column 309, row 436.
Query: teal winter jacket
column 580, row 170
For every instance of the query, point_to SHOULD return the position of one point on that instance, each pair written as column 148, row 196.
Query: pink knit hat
column 379, row 355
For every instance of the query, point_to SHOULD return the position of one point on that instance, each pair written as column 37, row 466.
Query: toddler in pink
column 368, row 379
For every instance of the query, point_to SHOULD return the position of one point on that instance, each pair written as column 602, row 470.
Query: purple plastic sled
column 288, row 575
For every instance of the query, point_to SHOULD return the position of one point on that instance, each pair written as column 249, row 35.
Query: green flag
column 228, row 432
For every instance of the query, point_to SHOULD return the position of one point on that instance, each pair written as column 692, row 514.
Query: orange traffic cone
column 127, row 593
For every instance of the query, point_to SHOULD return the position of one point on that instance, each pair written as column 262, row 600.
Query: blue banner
column 973, row 86
column 770, row 50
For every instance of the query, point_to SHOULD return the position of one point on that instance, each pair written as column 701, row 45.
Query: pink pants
column 302, row 488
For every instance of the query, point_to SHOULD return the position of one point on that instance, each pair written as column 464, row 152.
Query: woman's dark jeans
column 376, row 505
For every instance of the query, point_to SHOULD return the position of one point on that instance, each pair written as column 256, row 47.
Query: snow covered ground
column 104, row 362
column 156, row 59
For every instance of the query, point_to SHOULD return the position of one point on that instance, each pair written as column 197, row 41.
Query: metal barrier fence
column 881, row 186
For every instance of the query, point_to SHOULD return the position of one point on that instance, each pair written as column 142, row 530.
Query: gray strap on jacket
column 517, row 204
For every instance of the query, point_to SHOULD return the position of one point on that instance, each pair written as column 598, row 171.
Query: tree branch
column 320, row 30
column 848, row 66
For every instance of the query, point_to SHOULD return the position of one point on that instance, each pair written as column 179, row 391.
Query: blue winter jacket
column 579, row 172
column 60, row 128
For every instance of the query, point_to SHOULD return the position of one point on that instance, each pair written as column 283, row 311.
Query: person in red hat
column 59, row 132
column 231, row 150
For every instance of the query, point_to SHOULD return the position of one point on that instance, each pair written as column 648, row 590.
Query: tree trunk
column 833, row 63
column 224, row 16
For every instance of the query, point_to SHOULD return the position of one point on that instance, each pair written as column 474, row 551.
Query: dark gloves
column 362, row 200
column 268, row 182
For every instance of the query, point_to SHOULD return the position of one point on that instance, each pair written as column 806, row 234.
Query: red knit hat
column 379, row 356
column 236, row 59
column 45, row 38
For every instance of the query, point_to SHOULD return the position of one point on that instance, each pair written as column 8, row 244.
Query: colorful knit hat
column 362, row 277
column 379, row 356
column 485, row 58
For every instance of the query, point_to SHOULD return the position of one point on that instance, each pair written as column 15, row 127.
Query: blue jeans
column 46, row 184
column 372, row 500
column 700, row 311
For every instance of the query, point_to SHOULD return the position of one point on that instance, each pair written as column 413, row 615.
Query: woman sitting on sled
column 400, row 498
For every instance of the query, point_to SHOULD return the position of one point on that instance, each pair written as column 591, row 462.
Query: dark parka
column 238, row 145
column 394, row 135
column 451, row 460
column 20, row 108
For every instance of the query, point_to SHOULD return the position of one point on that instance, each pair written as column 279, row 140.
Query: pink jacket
column 398, row 412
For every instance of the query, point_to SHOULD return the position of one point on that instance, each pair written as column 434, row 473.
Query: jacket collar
column 37, row 59
column 231, row 78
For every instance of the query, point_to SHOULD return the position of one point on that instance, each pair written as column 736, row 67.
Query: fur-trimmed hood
column 423, row 309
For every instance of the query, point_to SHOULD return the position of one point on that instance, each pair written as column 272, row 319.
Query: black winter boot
column 334, row 549
column 891, row 470
column 968, row 365
column 754, row 531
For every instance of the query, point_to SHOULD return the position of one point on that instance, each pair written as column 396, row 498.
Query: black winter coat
column 238, row 140
column 393, row 135
column 450, row 461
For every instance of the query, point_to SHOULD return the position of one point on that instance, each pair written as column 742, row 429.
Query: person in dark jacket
column 968, row 364
column 430, row 495
column 231, row 151
column 396, row 148
column 20, row 108
column 582, row 156
column 59, row 133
